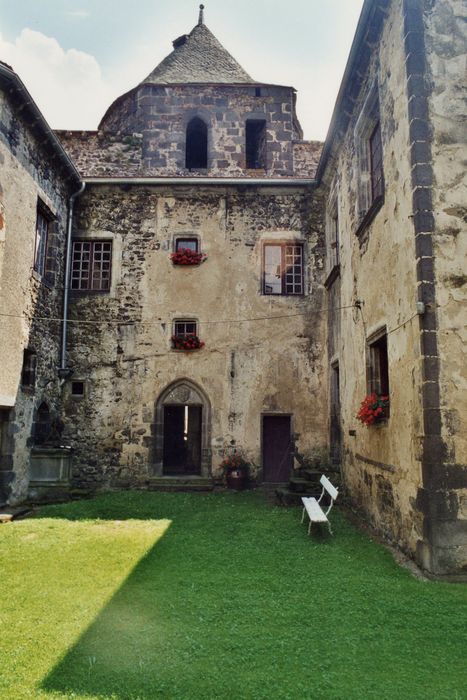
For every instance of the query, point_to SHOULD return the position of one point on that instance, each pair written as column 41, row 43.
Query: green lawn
column 197, row 596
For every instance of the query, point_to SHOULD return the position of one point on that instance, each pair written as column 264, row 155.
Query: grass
column 140, row 596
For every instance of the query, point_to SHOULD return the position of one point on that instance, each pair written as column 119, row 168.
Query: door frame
column 273, row 414
column 186, row 392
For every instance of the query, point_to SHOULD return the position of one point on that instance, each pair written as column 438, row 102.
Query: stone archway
column 184, row 409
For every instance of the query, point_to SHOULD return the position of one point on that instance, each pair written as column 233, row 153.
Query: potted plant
column 236, row 471
column 186, row 256
column 186, row 342
column 373, row 409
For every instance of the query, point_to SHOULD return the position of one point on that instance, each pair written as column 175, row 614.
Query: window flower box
column 187, row 342
column 373, row 409
column 186, row 256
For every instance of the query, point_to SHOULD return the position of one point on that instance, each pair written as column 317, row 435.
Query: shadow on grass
column 185, row 607
column 236, row 601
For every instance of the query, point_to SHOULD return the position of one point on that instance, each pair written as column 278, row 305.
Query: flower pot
column 237, row 479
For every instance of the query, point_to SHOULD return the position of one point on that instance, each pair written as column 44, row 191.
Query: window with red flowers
column 185, row 335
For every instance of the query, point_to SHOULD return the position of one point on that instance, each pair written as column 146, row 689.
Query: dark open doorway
column 277, row 449
column 182, row 440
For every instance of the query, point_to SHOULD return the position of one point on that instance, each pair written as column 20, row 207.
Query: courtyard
column 137, row 595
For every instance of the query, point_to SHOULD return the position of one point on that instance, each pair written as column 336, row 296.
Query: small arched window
column 196, row 144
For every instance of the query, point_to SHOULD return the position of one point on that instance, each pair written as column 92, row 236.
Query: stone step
column 179, row 483
column 300, row 485
column 313, row 475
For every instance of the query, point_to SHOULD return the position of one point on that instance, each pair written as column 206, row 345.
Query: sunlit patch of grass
column 56, row 575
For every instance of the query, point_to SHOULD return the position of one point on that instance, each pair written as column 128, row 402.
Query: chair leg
column 330, row 529
column 303, row 515
column 309, row 528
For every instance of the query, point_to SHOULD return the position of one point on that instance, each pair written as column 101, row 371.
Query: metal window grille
column 40, row 250
column 91, row 265
column 376, row 163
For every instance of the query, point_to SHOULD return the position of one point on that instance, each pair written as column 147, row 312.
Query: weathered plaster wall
column 246, row 368
column 146, row 135
column 381, row 464
column 446, row 50
column 26, row 174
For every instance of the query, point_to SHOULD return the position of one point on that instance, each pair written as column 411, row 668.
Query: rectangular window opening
column 40, row 247
column 28, row 372
column 378, row 367
column 186, row 244
column 283, row 269
column 185, row 328
column 91, row 266
column 334, row 239
column 376, row 163
column 77, row 389
column 256, row 144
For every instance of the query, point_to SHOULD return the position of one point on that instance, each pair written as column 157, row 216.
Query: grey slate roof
column 198, row 58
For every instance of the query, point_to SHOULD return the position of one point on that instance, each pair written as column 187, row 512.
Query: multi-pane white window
column 283, row 269
column 40, row 249
column 185, row 328
column 91, row 266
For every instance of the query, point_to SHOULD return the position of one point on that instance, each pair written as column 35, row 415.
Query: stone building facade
column 323, row 273
column 36, row 181
column 394, row 176
column 212, row 168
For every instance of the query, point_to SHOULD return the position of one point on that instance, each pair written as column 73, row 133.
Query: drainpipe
column 65, row 371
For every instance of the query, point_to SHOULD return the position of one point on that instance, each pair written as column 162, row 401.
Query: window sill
column 333, row 275
column 369, row 216
column 283, row 296
column 78, row 292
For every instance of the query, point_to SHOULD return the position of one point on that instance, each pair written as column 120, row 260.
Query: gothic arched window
column 196, row 144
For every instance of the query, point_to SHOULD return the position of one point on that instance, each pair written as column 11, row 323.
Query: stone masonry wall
column 446, row 49
column 247, row 367
column 27, row 172
column 381, row 463
column 149, row 139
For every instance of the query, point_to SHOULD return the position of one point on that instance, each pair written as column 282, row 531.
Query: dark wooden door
column 277, row 446
column 182, row 440
column 335, row 422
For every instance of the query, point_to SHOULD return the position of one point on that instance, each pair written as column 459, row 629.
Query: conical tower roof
column 198, row 57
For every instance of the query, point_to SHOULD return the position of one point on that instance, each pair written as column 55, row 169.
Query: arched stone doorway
column 182, row 431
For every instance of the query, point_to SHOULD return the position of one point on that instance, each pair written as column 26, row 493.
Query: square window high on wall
column 91, row 266
column 283, row 269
